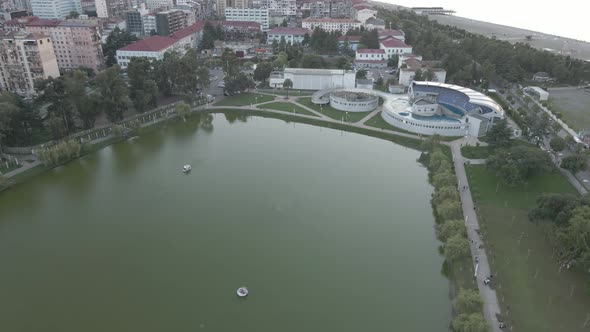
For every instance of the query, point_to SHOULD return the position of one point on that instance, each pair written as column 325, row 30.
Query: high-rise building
column 57, row 9
column 75, row 43
column 223, row 4
column 259, row 15
column 25, row 59
column 169, row 22
column 111, row 8
column 149, row 24
column 134, row 22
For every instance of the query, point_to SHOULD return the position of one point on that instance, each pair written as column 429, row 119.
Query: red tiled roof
column 32, row 21
column 390, row 32
column 288, row 31
column 351, row 39
column 191, row 29
column 370, row 50
column 330, row 20
column 393, row 42
column 151, row 44
column 361, row 7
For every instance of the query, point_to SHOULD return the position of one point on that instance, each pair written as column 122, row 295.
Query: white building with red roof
column 362, row 13
column 152, row 48
column 397, row 34
column 331, row 24
column 370, row 58
column 291, row 35
column 394, row 47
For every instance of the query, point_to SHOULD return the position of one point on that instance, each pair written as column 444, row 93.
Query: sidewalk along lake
column 329, row 230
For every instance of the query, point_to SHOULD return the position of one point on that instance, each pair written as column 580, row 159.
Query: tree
column 574, row 162
column 262, row 71
column 370, row 39
column 473, row 322
column 499, row 135
column 456, row 248
column 467, row 301
column 8, row 110
column 306, row 39
column 281, row 60
column 557, row 144
column 54, row 92
column 312, row 61
column 450, row 228
column 282, row 44
column 429, row 75
column 183, row 110
column 557, row 208
column 449, row 209
column 445, row 178
column 288, row 84
column 361, row 74
column 73, row 14
column 113, row 93
column 575, row 237
column 418, row 76
column 117, row 39
column 229, row 63
column 143, row 90
column 517, row 164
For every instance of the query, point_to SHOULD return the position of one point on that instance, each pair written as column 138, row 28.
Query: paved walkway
column 370, row 115
column 25, row 166
column 488, row 295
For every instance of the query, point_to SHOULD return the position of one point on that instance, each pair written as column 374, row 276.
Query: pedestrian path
column 491, row 307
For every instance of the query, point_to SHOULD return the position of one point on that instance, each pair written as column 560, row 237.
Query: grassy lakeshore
column 534, row 294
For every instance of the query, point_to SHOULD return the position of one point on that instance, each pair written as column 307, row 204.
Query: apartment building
column 25, row 59
column 169, row 22
column 258, row 15
column 75, row 43
column 56, row 9
column 331, row 24
column 110, row 8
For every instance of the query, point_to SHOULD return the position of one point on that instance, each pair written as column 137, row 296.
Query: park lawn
column 573, row 105
column 287, row 107
column 483, row 152
column 244, row 99
column 332, row 112
column 475, row 152
column 533, row 294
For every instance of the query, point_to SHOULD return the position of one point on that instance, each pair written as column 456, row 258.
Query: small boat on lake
column 242, row 292
column 186, row 168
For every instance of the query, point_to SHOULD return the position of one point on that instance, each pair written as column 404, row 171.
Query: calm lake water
column 330, row 231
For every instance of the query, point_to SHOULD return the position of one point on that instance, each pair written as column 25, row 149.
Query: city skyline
column 556, row 20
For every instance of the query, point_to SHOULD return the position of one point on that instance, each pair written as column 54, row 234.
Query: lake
column 329, row 230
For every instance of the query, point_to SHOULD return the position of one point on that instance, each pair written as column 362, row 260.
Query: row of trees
column 470, row 57
column 74, row 101
column 451, row 231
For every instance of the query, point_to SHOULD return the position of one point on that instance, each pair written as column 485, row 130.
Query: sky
column 567, row 18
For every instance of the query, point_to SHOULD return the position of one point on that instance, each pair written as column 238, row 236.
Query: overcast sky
column 568, row 18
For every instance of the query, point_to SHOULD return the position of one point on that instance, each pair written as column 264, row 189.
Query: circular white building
column 429, row 108
column 353, row 101
column 444, row 109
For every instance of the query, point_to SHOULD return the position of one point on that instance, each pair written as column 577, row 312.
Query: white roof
column 475, row 97
column 538, row 90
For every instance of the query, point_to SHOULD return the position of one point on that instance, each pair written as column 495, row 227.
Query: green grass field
column 332, row 112
column 534, row 295
column 574, row 105
column 244, row 99
column 287, row 107
column 475, row 152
